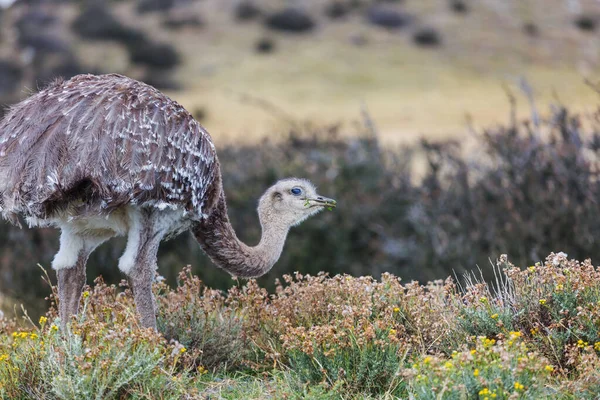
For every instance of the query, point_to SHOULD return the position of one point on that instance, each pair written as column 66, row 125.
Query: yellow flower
column 393, row 332
column 518, row 386
column 473, row 351
column 597, row 346
column 543, row 302
column 202, row 370
column 581, row 344
column 532, row 268
column 427, row 360
column 396, row 309
column 54, row 327
column 534, row 331
column 182, row 350
column 23, row 335
column 476, row 372
column 43, row 320
column 448, row 365
column 86, row 294
column 3, row 357
column 549, row 368
column 494, row 395
column 515, row 334
column 33, row 335
column 483, row 299
column 494, row 316
column 484, row 391
column 558, row 287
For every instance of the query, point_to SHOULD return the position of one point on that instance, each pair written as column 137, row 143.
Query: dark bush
column 200, row 113
column 531, row 29
column 181, row 21
column 144, row 6
column 10, row 77
column 459, row 6
column 67, row 67
column 246, row 11
column 427, row 37
column 160, row 79
column 336, row 9
column 43, row 43
column 265, row 46
column 387, row 17
column 155, row 55
column 290, row 20
column 96, row 22
column 586, row 23
column 32, row 21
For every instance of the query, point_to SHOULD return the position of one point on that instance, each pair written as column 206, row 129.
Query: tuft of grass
column 198, row 318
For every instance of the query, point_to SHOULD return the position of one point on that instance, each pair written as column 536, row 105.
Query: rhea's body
column 104, row 156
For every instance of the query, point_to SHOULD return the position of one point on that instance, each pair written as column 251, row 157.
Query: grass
column 322, row 77
column 532, row 334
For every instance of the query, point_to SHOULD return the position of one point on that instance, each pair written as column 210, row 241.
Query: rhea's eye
column 296, row 191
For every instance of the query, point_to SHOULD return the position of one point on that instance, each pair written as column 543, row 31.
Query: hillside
column 330, row 72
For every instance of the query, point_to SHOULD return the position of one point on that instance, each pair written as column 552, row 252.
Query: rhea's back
column 95, row 143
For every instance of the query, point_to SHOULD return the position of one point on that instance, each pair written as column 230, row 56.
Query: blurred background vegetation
column 429, row 120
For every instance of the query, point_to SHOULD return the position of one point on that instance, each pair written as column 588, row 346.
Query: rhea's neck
column 218, row 239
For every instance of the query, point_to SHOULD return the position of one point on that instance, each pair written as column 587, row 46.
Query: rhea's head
column 291, row 201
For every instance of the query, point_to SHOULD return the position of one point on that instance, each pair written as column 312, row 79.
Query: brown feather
column 107, row 140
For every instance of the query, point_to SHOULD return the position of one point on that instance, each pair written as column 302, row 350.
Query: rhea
column 105, row 156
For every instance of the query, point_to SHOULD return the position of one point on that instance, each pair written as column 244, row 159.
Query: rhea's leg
column 139, row 263
column 70, row 285
column 69, row 264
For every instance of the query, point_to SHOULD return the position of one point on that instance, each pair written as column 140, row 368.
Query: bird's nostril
column 319, row 198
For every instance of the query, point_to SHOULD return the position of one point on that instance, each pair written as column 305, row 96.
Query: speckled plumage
column 104, row 156
column 108, row 138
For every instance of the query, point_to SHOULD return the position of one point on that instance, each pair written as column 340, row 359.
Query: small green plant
column 490, row 370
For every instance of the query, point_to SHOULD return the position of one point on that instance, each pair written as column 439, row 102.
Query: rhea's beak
column 323, row 202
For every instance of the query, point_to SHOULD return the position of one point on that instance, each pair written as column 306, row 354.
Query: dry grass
column 532, row 334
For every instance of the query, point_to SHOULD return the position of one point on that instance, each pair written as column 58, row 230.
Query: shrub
column 336, row 9
column 198, row 318
column 246, row 11
column 10, row 77
column 290, row 20
column 103, row 355
column 181, row 21
column 586, row 23
column 155, row 55
column 265, row 46
column 97, row 22
column 499, row 370
column 144, row 6
column 386, row 17
column 427, row 37
column 459, row 6
column 531, row 334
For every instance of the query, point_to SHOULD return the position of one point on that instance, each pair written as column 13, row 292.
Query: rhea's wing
column 103, row 141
